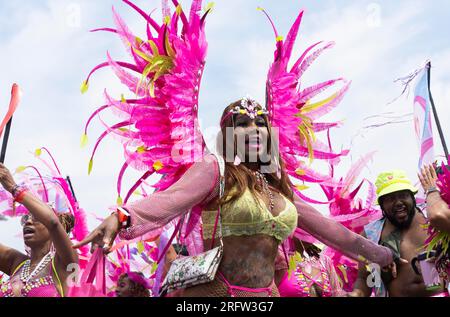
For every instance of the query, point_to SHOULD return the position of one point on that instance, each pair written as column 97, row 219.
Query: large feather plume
column 294, row 113
column 159, row 127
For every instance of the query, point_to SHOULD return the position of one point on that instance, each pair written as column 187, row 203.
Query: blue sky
column 45, row 46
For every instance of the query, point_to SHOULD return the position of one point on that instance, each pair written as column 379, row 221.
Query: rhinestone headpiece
column 248, row 107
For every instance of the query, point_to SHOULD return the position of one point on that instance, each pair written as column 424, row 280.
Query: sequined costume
column 42, row 285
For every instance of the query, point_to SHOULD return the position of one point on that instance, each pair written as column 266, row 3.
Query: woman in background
column 43, row 272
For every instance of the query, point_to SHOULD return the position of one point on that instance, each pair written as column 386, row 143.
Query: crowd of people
column 231, row 222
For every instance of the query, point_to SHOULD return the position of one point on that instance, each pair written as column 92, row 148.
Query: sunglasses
column 25, row 218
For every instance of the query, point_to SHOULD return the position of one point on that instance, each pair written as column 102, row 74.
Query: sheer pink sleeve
column 197, row 186
column 338, row 237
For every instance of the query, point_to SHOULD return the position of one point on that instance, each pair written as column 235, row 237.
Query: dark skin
column 251, row 138
column 406, row 282
column 40, row 231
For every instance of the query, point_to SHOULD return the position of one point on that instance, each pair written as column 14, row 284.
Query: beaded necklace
column 26, row 276
column 31, row 283
column 264, row 183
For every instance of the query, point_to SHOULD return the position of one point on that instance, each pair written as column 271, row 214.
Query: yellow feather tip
column 179, row 9
column 91, row 164
column 84, row 87
column 301, row 187
column 280, row 38
column 38, row 152
column 209, row 6
column 154, row 267
column 158, row 165
column 141, row 149
column 140, row 247
column 119, row 201
column 84, row 140
column 20, row 169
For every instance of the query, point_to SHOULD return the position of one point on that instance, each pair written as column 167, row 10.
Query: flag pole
column 71, row 188
column 5, row 141
column 436, row 118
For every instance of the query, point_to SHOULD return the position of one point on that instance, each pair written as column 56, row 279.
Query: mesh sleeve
column 196, row 187
column 338, row 237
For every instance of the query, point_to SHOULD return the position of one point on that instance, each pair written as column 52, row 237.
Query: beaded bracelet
column 14, row 190
column 123, row 217
column 20, row 195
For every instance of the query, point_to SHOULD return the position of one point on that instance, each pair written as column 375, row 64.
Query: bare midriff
column 249, row 261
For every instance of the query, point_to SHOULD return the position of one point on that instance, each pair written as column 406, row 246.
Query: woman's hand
column 103, row 236
column 6, row 179
column 428, row 177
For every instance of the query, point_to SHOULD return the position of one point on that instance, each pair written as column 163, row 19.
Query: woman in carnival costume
column 47, row 227
column 260, row 208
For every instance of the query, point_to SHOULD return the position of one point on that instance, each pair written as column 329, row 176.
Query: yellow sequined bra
column 248, row 216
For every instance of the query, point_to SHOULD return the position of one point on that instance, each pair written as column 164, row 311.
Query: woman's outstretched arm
column 149, row 215
column 340, row 238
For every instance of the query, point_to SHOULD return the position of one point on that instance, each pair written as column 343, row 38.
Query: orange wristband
column 123, row 218
column 19, row 197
